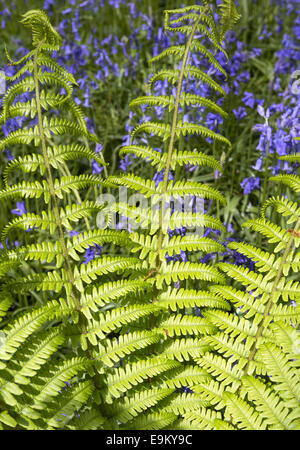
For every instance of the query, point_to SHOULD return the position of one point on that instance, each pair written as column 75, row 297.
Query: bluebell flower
column 250, row 184
column 213, row 120
column 115, row 3
column 264, row 33
column 243, row 77
column 20, row 209
column 240, row 112
column 258, row 164
column 159, row 176
column 234, row 257
column 263, row 113
column 125, row 163
column 255, row 52
column 66, row 11
column 96, row 168
column 48, row 4
column 184, row 389
column 9, row 245
column 91, row 253
column 9, row 155
column 99, row 147
column 249, row 99
column 73, row 233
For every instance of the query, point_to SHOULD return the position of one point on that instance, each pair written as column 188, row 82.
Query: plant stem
column 74, row 293
column 253, row 349
column 173, row 128
column 50, row 181
column 265, row 188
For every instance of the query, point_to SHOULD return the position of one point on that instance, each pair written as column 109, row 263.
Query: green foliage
column 254, row 356
column 34, row 368
column 166, row 313
column 116, row 339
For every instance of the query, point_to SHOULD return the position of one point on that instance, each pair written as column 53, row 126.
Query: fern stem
column 175, row 121
column 254, row 347
column 68, row 267
column 74, row 291
column 51, row 183
column 265, row 188
column 77, row 195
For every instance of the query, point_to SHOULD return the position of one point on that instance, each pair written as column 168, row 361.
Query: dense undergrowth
column 149, row 216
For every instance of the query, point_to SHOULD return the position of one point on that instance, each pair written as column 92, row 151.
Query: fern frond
column 283, row 374
column 111, row 351
column 174, row 50
column 185, row 298
column 184, row 403
column 242, row 413
column 146, row 187
column 267, row 403
column 101, row 266
column 185, row 325
column 290, row 180
column 25, row 325
column 203, row 418
column 103, row 336
column 184, row 270
column 41, row 28
column 126, row 409
column 60, row 410
column 124, row 379
column 91, row 419
column 52, row 379
column 159, row 129
column 114, row 319
column 229, row 16
column 283, row 206
column 185, row 348
column 181, row 188
column 188, row 375
column 187, row 157
column 148, row 153
column 155, row 421
column 192, row 72
column 223, row 370
column 111, row 291
column 193, row 128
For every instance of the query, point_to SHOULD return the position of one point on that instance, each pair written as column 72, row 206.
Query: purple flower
column 73, row 233
column 159, row 176
column 262, row 112
column 66, row 11
column 91, row 252
column 20, row 209
column 258, row 164
column 240, row 113
column 48, row 4
column 125, row 163
column 249, row 99
column 96, row 168
column 9, row 156
column 250, row 184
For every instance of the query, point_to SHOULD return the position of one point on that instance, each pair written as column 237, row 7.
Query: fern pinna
column 254, row 356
